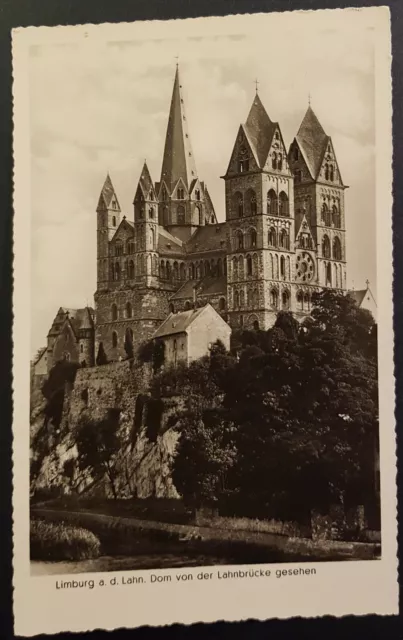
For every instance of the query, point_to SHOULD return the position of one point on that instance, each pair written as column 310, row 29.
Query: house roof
column 39, row 355
column 169, row 244
column 178, row 160
column 186, row 290
column 208, row 238
column 260, row 130
column 79, row 319
column 312, row 141
column 359, row 295
column 178, row 322
column 210, row 286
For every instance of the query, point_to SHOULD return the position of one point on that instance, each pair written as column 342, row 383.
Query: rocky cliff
column 143, row 461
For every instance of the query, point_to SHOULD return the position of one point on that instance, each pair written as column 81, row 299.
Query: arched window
column 114, row 312
column 235, row 268
column 182, row 271
column 199, row 215
column 300, row 301
column 274, row 298
column 131, row 269
column 192, row 271
column 219, row 268
column 331, row 173
column 129, row 310
column 162, row 270
column 274, row 161
column 327, row 173
column 280, row 162
column 328, row 274
column 272, row 208
column 285, row 300
column 284, row 239
column 336, row 217
column 283, row 208
column 236, row 299
column 155, row 266
column 255, row 325
column 114, row 221
column 253, row 237
column 171, row 308
column 198, row 271
column 249, row 268
column 251, row 205
column 337, row 249
column 221, row 304
column 206, row 268
column 272, row 237
column 239, row 240
column 240, row 267
column 239, row 204
column 181, row 214
column 176, row 271
column 168, row 271
column 151, row 213
column 282, row 267
column 152, row 239
column 197, row 194
column 181, row 193
column 307, row 301
column 119, row 248
column 130, row 246
column 325, row 214
column 242, row 299
column 117, row 271
column 326, row 247
column 114, row 339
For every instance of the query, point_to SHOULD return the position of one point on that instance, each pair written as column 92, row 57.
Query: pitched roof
column 359, row 295
column 178, row 161
column 168, row 244
column 178, row 322
column 312, row 141
column 186, row 291
column 210, row 286
column 260, row 130
column 145, row 182
column 39, row 355
column 79, row 319
column 208, row 238
column 107, row 194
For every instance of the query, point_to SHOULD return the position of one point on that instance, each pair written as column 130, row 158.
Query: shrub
column 51, row 541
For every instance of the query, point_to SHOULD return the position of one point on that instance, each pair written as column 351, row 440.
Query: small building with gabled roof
column 188, row 335
column 364, row 299
column 71, row 337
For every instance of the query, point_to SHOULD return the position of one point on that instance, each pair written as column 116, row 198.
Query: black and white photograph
column 207, row 303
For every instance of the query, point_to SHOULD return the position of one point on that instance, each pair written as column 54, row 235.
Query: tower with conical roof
column 108, row 220
column 183, row 203
column 260, row 222
column 319, row 211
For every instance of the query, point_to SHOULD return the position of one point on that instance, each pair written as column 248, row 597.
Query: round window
column 305, row 267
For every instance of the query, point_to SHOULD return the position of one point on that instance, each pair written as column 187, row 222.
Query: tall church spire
column 178, row 161
column 312, row 140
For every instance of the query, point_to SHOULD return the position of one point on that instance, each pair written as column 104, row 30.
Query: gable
column 243, row 156
column 277, row 159
column 124, row 231
column 329, row 169
column 163, row 191
column 179, row 185
column 303, row 232
column 298, row 164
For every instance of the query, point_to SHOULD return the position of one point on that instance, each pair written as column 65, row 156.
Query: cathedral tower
column 183, row 202
column 146, row 230
column 108, row 220
column 319, row 203
column 260, row 219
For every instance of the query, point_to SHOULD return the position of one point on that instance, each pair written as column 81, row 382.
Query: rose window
column 305, row 267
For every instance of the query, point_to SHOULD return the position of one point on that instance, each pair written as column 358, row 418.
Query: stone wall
column 143, row 465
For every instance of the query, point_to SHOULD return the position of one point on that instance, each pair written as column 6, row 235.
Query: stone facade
column 283, row 237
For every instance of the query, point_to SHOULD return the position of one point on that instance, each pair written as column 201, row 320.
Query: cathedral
column 283, row 237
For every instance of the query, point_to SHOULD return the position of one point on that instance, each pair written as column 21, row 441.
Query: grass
column 60, row 541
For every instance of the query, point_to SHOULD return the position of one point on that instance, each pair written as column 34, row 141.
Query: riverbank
column 137, row 537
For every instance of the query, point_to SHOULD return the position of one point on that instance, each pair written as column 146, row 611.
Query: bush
column 51, row 541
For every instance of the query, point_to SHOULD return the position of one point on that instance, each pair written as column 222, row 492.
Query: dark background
column 15, row 13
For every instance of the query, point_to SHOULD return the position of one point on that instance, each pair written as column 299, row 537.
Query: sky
column 99, row 105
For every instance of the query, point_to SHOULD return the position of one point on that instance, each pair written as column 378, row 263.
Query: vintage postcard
column 203, row 339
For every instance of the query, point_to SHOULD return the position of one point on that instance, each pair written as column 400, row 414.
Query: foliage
column 51, row 541
column 101, row 355
column 128, row 345
column 54, row 387
column 98, row 444
column 290, row 423
column 152, row 351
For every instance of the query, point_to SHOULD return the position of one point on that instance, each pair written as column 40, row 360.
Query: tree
column 53, row 389
column 98, row 444
column 128, row 344
column 290, row 422
column 101, row 356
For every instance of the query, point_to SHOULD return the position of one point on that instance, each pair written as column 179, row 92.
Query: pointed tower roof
column 312, row 141
column 260, row 130
column 178, row 161
column 107, row 194
column 145, row 181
